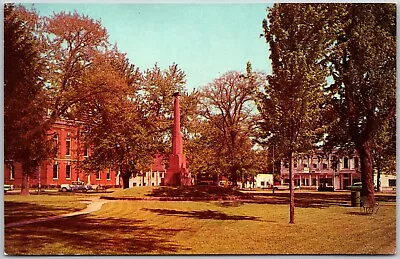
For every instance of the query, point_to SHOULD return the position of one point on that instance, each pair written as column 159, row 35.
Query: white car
column 284, row 186
column 8, row 187
column 75, row 186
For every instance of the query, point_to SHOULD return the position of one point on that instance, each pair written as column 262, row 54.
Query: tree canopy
column 24, row 98
column 292, row 102
column 227, row 105
column 350, row 46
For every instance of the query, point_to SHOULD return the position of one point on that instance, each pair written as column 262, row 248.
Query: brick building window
column 68, row 147
column 314, row 165
column 55, row 143
column 108, row 175
column 55, row 171
column 392, row 182
column 68, row 171
column 160, row 175
column 86, row 151
column 305, row 165
column 324, row 166
column 98, row 175
column 345, row 162
column 12, row 172
column 152, row 175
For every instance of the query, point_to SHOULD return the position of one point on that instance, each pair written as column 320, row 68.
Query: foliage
column 24, row 99
column 202, row 150
column 91, row 81
column 291, row 106
column 362, row 61
column 118, row 141
column 117, row 134
column 227, row 105
column 155, row 98
column 76, row 46
column 384, row 151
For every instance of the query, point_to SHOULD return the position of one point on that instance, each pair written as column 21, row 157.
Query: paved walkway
column 93, row 205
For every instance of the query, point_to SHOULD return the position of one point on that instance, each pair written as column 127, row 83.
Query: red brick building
column 62, row 168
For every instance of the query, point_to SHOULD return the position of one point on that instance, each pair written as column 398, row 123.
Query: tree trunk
column 291, row 187
column 25, row 184
column 367, row 175
column 125, row 180
column 234, row 176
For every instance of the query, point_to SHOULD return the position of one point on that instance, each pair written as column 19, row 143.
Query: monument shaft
column 177, row 173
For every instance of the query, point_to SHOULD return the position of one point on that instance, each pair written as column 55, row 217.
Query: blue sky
column 205, row 40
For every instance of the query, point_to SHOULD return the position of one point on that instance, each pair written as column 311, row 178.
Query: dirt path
column 93, row 205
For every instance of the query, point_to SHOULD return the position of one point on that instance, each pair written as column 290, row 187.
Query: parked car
column 75, row 186
column 8, row 187
column 357, row 186
column 325, row 188
column 284, row 186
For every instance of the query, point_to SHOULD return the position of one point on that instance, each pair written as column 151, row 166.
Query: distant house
column 263, row 180
column 388, row 182
column 333, row 169
column 154, row 177
column 318, row 169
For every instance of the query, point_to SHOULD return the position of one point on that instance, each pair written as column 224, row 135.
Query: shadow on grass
column 226, row 204
column 196, row 191
column 358, row 213
column 312, row 199
column 19, row 211
column 202, row 214
column 82, row 235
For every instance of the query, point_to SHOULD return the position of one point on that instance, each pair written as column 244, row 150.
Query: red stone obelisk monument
column 177, row 173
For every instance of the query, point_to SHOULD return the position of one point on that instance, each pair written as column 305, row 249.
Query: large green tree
column 228, row 105
column 76, row 46
column 118, row 139
column 156, row 100
column 291, row 104
column 24, row 99
column 362, row 59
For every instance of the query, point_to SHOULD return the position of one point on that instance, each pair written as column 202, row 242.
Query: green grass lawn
column 151, row 227
column 19, row 208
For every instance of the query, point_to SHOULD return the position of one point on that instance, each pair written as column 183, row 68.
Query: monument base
column 178, row 178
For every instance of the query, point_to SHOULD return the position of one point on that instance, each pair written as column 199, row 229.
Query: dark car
column 357, row 186
column 325, row 188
